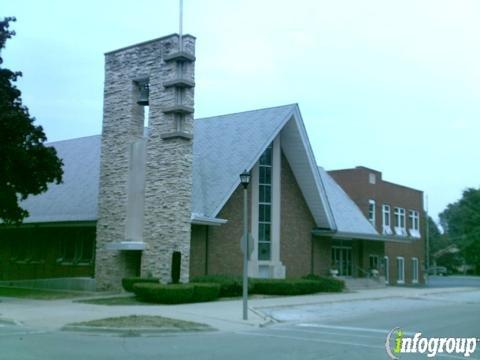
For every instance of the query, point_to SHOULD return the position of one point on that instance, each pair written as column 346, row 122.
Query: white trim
column 386, row 264
column 371, row 211
column 415, row 270
column 198, row 219
column 402, row 280
column 275, row 214
column 386, row 214
column 313, row 167
column 414, row 219
column 254, row 212
column 256, row 267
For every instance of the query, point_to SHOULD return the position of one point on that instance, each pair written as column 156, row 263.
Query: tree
column 461, row 222
column 26, row 164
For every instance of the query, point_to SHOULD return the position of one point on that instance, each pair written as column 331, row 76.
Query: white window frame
column 415, row 269
column 386, row 264
column 375, row 257
column 400, row 279
column 399, row 225
column 414, row 219
column 372, row 178
column 371, row 211
column 386, row 215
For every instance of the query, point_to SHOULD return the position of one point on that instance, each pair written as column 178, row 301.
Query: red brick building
column 397, row 213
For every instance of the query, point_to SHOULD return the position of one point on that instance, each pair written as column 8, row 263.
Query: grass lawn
column 118, row 300
column 144, row 322
column 38, row 294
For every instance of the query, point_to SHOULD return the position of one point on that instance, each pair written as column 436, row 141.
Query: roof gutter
column 198, row 219
column 360, row 236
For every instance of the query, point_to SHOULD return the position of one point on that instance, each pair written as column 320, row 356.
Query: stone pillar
column 166, row 168
column 168, row 177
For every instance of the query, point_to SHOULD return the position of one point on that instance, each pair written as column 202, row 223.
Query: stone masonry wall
column 168, row 163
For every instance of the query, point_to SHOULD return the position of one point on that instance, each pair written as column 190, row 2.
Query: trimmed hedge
column 176, row 293
column 285, row 286
column 205, row 292
column 230, row 286
column 127, row 283
column 164, row 294
column 328, row 284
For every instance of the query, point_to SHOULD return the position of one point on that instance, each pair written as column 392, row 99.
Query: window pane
column 264, row 213
column 265, row 195
column 266, row 158
column 87, row 251
column 264, row 250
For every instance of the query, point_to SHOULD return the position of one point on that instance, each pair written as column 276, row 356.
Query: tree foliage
column 26, row 164
column 461, row 222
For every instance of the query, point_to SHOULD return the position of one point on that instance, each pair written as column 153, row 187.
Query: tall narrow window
column 386, row 267
column 414, row 270
column 400, row 222
column 371, row 211
column 265, row 205
column 400, row 270
column 387, row 229
column 414, row 220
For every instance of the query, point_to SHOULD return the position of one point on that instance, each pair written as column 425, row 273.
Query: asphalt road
column 348, row 330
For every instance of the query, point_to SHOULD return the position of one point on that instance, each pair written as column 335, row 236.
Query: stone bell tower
column 145, row 194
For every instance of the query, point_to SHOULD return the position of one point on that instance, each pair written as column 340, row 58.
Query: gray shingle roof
column 223, row 147
column 226, row 145
column 76, row 199
column 347, row 216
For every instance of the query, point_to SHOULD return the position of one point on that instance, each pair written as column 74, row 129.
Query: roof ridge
column 71, row 139
column 247, row 111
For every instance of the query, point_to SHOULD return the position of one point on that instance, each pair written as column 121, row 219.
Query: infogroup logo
column 397, row 343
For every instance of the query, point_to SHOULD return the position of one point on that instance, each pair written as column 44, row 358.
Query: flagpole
column 180, row 21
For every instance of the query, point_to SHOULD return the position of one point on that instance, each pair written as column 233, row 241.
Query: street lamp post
column 245, row 180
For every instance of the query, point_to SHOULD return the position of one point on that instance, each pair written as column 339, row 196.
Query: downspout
column 206, row 250
column 311, row 256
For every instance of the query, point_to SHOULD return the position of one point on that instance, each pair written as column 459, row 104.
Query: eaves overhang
column 359, row 236
column 198, row 219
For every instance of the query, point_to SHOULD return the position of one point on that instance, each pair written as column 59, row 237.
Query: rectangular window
column 372, row 179
column 387, row 230
column 85, row 251
column 386, row 268
column 371, row 211
column 414, row 270
column 265, row 204
column 400, row 270
column 399, row 214
column 414, row 219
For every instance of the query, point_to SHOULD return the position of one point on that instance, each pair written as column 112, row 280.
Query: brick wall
column 224, row 253
column 356, row 184
column 198, row 248
column 296, row 226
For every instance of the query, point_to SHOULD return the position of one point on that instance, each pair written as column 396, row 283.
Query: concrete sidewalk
column 222, row 315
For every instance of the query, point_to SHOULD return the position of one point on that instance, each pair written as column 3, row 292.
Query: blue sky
column 391, row 85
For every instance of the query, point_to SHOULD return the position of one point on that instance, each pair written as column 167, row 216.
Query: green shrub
column 328, row 284
column 285, row 286
column 205, row 292
column 229, row 285
column 128, row 283
column 164, row 294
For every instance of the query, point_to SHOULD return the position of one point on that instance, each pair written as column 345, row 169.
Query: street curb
column 319, row 302
column 6, row 321
column 131, row 331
